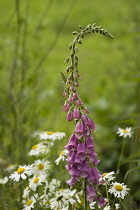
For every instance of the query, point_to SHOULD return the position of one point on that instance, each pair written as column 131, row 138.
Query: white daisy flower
column 119, row 190
column 29, row 203
column 92, row 205
column 36, row 181
column 38, row 149
column 107, row 177
column 22, row 172
column 62, row 199
column 125, row 132
column 26, row 192
column 107, row 208
column 62, row 156
column 51, row 135
column 117, row 205
column 4, row 181
column 10, row 167
column 40, row 167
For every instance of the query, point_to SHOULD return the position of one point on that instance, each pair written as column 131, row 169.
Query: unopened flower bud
column 76, row 114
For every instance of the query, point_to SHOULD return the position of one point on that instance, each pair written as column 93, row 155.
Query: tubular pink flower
column 70, row 116
column 79, row 130
column 66, row 107
column 76, row 114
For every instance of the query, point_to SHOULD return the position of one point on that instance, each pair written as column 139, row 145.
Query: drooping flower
column 127, row 132
column 118, row 190
column 22, row 172
column 117, row 205
column 62, row 156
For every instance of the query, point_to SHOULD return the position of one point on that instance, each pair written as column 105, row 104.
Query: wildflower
column 107, row 177
column 36, row 181
column 40, row 167
column 26, row 192
column 22, row 172
column 119, row 190
column 38, row 149
column 92, row 205
column 29, row 203
column 117, row 205
column 51, row 135
column 4, row 181
column 107, row 208
column 10, row 167
column 62, row 199
column 62, row 156
column 125, row 132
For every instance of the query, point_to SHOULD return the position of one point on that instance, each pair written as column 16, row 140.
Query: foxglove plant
column 82, row 158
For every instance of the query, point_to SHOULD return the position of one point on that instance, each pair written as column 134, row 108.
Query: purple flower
column 85, row 166
column 93, row 176
column 91, row 195
column 79, row 102
column 72, row 180
column 79, row 130
column 69, row 116
column 66, row 107
column 72, row 144
column 70, row 99
column 78, row 162
column 86, row 111
column 76, row 114
column 81, row 148
column 85, row 120
column 71, row 157
column 74, row 171
column 89, row 142
column 82, row 156
column 75, row 95
column 101, row 201
column 84, row 174
column 91, row 124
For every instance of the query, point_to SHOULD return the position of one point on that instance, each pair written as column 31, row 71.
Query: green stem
column 85, row 194
column 122, row 204
column 119, row 163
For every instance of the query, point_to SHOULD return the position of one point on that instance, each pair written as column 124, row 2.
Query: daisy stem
column 107, row 192
column 122, row 204
column 85, row 194
column 40, row 207
column 119, row 163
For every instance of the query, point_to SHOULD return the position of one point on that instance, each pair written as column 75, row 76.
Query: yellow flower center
column 104, row 175
column 125, row 131
column 47, row 202
column 40, row 166
column 118, row 187
column 29, row 202
column 35, row 146
column 61, row 189
column 49, row 133
column 61, row 153
column 20, row 170
column 81, row 202
column 36, row 180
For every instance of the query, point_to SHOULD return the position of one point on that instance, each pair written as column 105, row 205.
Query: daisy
column 107, row 208
column 40, row 167
column 22, row 172
column 10, row 167
column 62, row 156
column 92, row 205
column 36, row 181
column 51, row 135
column 26, row 192
column 119, row 190
column 125, row 132
column 62, row 199
column 4, row 181
column 38, row 149
column 29, row 203
column 107, row 177
column 117, row 205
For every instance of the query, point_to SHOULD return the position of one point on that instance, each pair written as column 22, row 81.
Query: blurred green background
column 34, row 40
